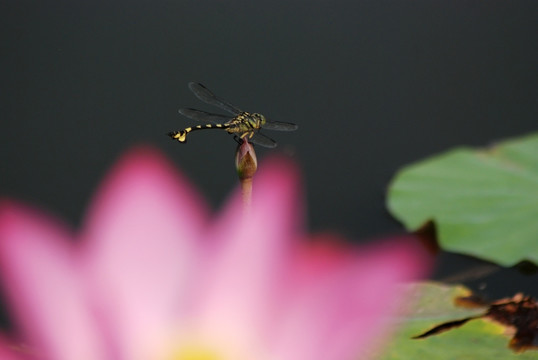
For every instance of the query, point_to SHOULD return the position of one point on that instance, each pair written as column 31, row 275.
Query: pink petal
column 7, row 350
column 40, row 276
column 340, row 302
column 141, row 239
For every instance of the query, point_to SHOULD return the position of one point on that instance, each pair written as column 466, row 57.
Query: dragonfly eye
column 259, row 116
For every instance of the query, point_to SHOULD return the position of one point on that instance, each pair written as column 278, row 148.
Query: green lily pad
column 484, row 203
column 433, row 304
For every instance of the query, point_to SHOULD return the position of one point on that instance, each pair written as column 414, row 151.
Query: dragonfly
column 243, row 125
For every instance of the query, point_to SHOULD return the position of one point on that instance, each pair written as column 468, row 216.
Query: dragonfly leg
column 238, row 139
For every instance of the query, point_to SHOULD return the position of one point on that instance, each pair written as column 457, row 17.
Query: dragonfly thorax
column 245, row 123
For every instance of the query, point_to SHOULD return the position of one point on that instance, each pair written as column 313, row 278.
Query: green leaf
column 484, row 202
column 433, row 305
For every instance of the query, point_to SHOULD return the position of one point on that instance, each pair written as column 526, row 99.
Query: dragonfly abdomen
column 181, row 135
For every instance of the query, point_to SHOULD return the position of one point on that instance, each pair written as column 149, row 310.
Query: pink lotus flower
column 152, row 276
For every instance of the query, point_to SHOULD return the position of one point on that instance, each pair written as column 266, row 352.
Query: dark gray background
column 373, row 85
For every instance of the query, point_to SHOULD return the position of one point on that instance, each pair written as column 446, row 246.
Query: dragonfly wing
column 203, row 116
column 262, row 140
column 208, row 97
column 280, row 126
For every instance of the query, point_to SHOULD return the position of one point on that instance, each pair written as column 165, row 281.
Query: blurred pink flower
column 152, row 276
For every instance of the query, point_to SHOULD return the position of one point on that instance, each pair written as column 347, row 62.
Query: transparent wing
column 262, row 140
column 203, row 116
column 208, row 97
column 280, row 126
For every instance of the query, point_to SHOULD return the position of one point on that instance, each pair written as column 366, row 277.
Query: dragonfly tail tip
column 180, row 136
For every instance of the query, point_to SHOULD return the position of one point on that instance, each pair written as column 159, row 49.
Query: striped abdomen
column 181, row 135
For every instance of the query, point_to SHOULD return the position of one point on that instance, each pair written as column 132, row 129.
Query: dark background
column 373, row 85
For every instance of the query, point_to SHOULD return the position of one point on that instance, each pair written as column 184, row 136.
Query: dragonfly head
column 260, row 118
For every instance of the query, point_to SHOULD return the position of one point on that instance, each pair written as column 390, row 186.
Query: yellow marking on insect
column 180, row 136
